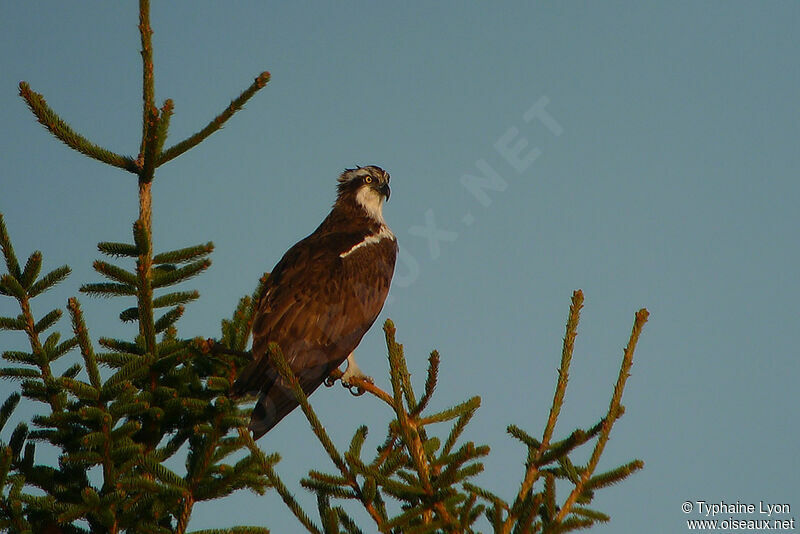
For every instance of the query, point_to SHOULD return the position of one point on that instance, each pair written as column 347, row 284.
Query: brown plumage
column 322, row 297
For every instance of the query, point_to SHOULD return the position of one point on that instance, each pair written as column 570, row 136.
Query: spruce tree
column 126, row 408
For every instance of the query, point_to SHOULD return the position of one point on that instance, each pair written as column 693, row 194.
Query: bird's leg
column 353, row 371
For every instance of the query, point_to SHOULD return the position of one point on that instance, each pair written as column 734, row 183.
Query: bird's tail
column 272, row 406
column 276, row 400
column 259, row 375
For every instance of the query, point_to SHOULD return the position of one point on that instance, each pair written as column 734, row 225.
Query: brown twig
column 364, row 384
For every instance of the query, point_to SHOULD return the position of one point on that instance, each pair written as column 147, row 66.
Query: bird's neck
column 347, row 214
column 371, row 202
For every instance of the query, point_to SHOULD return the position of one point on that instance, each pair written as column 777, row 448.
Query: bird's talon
column 355, row 390
column 353, row 372
column 330, row 381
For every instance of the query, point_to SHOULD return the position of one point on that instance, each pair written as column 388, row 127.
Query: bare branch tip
column 263, row 79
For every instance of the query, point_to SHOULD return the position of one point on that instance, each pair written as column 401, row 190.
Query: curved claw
column 351, row 372
column 330, row 381
column 355, row 390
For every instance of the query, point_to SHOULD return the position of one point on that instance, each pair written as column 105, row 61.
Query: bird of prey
column 322, row 297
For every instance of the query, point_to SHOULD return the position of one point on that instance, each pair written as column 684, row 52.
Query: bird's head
column 366, row 187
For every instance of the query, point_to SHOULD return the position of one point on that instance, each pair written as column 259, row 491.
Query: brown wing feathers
column 316, row 306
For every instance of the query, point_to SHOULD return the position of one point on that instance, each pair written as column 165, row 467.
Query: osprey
column 322, row 297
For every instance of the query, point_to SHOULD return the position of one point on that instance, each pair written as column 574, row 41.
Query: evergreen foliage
column 125, row 410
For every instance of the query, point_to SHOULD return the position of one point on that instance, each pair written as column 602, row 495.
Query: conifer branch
column 157, row 389
column 613, row 409
column 49, row 280
column 168, row 319
column 142, row 229
column 148, row 84
column 176, row 150
column 104, row 418
column 430, row 383
column 267, row 465
column 50, row 120
column 184, row 255
column 118, row 249
column 275, row 356
column 615, row 475
column 406, row 453
column 32, row 268
column 8, row 250
column 144, row 264
column 563, row 371
column 151, row 142
column 8, row 407
column 41, row 353
column 412, row 431
column 165, row 115
column 166, row 277
column 115, row 273
column 532, row 470
column 108, row 289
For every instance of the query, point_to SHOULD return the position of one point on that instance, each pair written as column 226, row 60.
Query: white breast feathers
column 383, row 233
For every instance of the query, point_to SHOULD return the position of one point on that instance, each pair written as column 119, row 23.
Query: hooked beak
column 384, row 190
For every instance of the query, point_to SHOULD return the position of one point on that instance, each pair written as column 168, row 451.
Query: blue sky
column 671, row 184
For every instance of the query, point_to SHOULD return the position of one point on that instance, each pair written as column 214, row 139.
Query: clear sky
column 661, row 170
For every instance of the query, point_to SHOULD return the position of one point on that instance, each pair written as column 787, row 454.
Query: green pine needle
column 358, row 441
column 163, row 125
column 184, row 255
column 173, row 299
column 523, row 436
column 31, row 271
column 49, row 280
column 47, row 321
column 8, row 251
column 141, row 238
column 8, row 408
column 10, row 286
column 118, row 249
column 613, row 476
column 430, row 383
column 81, row 390
column 108, row 289
column 12, row 323
column 162, row 278
column 17, row 440
column 119, row 345
column 115, row 273
column 169, row 318
column 128, row 372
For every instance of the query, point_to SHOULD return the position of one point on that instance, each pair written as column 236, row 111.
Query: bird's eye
column 368, row 180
